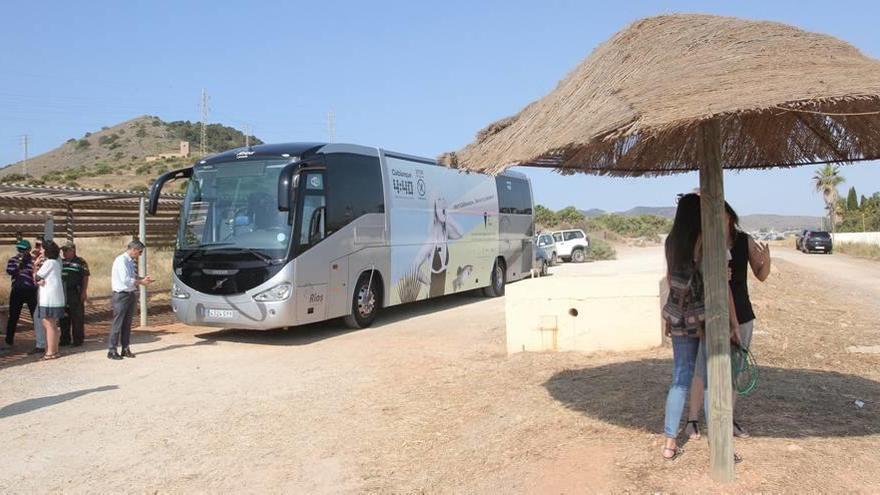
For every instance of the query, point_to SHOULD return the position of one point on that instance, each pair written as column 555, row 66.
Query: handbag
column 685, row 309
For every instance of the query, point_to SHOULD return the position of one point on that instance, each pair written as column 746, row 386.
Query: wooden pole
column 720, row 394
column 142, row 262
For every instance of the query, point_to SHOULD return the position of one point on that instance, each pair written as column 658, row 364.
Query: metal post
column 142, row 262
column 69, row 222
column 720, row 393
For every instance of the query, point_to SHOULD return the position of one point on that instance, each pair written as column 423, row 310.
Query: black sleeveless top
column 739, row 280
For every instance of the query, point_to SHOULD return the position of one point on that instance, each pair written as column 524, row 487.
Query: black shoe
column 64, row 344
column 113, row 355
column 127, row 353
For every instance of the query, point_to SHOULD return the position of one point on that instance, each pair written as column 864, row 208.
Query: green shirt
column 72, row 273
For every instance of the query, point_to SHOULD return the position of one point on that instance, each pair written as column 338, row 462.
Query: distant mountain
column 116, row 156
column 751, row 223
column 778, row 223
column 658, row 211
column 593, row 212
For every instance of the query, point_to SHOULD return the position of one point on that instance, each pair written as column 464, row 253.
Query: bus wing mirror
column 156, row 188
column 286, row 186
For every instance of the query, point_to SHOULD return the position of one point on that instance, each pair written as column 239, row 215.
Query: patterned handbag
column 685, row 310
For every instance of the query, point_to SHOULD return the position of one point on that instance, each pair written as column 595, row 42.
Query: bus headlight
column 177, row 292
column 278, row 293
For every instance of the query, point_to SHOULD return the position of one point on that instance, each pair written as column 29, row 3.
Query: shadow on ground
column 788, row 403
column 308, row 334
column 29, row 405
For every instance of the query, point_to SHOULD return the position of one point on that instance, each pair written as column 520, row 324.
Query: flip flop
column 677, row 453
column 739, row 432
column 49, row 357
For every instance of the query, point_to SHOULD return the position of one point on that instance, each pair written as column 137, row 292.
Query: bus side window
column 354, row 189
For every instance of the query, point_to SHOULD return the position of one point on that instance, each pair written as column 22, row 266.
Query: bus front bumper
column 234, row 311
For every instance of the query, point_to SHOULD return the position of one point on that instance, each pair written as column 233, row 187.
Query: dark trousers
column 74, row 319
column 18, row 298
column 123, row 310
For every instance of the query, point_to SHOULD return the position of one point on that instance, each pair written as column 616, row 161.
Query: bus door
column 311, row 271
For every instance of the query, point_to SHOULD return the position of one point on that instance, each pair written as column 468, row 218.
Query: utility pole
column 247, row 136
column 204, row 109
column 25, row 139
column 331, row 126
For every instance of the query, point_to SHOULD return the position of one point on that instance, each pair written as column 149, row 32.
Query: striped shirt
column 21, row 268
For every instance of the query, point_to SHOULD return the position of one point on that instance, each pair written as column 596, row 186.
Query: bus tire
column 496, row 280
column 365, row 303
column 578, row 256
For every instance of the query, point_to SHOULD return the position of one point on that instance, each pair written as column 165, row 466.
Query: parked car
column 546, row 244
column 542, row 257
column 817, row 241
column 571, row 245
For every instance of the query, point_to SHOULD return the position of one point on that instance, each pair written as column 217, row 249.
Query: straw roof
column 782, row 97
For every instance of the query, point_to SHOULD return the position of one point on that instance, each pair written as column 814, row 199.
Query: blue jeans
column 39, row 333
column 684, row 357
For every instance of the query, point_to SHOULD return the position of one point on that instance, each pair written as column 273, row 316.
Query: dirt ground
column 427, row 401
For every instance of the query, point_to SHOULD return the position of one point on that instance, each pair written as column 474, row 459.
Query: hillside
column 750, row 223
column 115, row 157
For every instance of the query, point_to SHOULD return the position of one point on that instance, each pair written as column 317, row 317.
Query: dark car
column 816, row 241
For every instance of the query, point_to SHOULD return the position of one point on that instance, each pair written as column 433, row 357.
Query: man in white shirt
column 125, row 283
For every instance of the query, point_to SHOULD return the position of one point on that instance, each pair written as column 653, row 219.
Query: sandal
column 695, row 434
column 739, row 432
column 676, row 453
column 737, row 458
column 49, row 357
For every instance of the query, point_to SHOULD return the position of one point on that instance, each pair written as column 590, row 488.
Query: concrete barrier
column 611, row 312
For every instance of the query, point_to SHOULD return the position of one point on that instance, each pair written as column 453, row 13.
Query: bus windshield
column 233, row 205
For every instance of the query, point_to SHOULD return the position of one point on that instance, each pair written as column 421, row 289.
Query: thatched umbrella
column 677, row 93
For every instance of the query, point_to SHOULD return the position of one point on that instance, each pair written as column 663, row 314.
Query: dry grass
column 625, row 110
column 859, row 249
column 100, row 253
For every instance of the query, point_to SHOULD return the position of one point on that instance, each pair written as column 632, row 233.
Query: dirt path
column 838, row 270
column 427, row 402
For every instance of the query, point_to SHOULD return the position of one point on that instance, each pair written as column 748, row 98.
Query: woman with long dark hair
column 50, row 307
column 683, row 311
column 745, row 253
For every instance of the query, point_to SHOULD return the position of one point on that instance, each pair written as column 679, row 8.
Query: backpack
column 685, row 309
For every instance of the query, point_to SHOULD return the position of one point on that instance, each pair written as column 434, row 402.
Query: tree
column 852, row 201
column 570, row 215
column 826, row 180
column 545, row 216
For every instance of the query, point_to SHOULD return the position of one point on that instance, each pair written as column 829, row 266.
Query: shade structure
column 677, row 93
column 782, row 97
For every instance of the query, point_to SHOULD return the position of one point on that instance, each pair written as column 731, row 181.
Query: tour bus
column 279, row 235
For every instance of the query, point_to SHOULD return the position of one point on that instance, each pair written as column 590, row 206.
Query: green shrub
column 71, row 141
column 143, row 169
column 105, row 140
column 103, row 169
column 36, row 182
column 13, row 178
column 121, row 131
column 140, row 188
column 83, row 144
column 114, row 146
column 108, row 186
column 141, row 132
column 156, row 123
column 72, row 183
column 104, row 128
column 600, row 250
column 87, row 134
column 119, row 155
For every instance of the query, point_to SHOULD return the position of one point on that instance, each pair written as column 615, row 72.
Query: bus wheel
column 364, row 304
column 496, row 281
column 578, row 256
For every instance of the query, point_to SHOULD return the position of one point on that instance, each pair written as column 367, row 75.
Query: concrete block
column 613, row 312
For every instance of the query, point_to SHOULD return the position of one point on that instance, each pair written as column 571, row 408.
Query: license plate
column 221, row 314
column 819, row 248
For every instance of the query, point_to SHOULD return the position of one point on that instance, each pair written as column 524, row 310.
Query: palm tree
column 826, row 180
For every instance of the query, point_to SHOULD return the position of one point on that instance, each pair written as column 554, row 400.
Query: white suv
column 571, row 245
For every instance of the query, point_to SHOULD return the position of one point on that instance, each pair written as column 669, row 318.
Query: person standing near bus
column 24, row 291
column 125, row 282
column 51, row 297
column 75, row 275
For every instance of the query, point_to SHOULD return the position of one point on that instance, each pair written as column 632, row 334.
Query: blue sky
column 417, row 77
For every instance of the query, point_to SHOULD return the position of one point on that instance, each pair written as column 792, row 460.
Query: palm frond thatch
column 782, row 96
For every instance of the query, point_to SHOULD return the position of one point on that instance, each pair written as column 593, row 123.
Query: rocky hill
column 116, row 157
